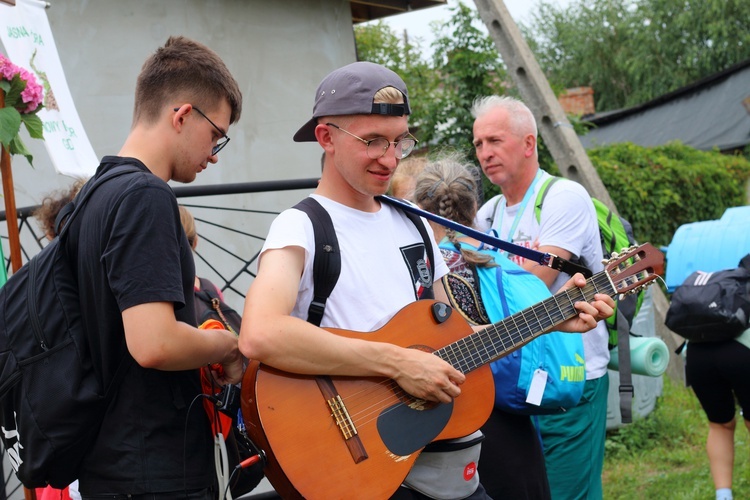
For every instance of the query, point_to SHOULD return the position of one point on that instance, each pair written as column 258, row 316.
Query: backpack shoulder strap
column 72, row 209
column 541, row 195
column 327, row 260
column 428, row 293
column 498, row 199
column 625, row 389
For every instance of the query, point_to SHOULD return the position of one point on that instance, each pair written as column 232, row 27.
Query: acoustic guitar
column 335, row 437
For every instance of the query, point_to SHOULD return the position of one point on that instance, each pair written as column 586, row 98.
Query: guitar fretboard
column 504, row 337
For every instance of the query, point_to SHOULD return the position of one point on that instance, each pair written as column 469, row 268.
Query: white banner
column 28, row 42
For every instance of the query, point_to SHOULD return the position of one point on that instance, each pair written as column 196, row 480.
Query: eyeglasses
column 219, row 145
column 376, row 148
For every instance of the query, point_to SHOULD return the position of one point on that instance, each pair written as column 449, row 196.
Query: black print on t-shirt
column 421, row 274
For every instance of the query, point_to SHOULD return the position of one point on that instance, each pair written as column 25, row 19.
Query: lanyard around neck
column 521, row 209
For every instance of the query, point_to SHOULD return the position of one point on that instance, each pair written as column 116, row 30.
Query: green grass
column 663, row 455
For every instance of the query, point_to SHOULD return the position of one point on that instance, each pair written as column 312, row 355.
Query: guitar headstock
column 634, row 268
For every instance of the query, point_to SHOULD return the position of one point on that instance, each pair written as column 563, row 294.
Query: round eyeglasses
column 376, row 148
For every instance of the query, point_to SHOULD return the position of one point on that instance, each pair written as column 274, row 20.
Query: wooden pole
column 9, row 195
column 559, row 136
column 11, row 219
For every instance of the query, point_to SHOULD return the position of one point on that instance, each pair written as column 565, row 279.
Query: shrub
column 660, row 188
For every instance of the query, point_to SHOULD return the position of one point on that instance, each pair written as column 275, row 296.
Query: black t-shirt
column 131, row 249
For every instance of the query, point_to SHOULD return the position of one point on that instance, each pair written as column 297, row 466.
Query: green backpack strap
column 543, row 190
column 613, row 232
column 491, row 220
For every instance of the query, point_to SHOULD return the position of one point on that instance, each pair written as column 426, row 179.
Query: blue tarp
column 708, row 245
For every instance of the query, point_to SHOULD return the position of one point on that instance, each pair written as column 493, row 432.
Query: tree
column 632, row 51
column 464, row 65
column 377, row 43
column 469, row 66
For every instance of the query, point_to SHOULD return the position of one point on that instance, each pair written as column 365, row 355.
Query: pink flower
column 7, row 68
column 33, row 94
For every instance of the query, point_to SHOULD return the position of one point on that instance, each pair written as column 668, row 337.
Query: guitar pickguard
column 405, row 429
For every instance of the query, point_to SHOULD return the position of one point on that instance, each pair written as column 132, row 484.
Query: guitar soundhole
column 416, row 404
column 405, row 430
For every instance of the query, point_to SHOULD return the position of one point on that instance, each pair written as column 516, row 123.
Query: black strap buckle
column 315, row 311
column 567, row 267
column 627, row 388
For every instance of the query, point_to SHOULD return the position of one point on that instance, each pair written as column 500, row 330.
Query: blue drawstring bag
column 546, row 375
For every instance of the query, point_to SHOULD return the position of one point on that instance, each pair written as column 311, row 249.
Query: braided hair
column 447, row 187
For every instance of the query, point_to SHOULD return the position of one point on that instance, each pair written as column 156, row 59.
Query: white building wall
column 278, row 50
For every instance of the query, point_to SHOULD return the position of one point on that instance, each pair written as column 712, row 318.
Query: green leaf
column 33, row 125
column 17, row 147
column 10, row 124
column 13, row 95
column 4, row 85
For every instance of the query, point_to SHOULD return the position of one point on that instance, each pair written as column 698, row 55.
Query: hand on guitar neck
column 589, row 313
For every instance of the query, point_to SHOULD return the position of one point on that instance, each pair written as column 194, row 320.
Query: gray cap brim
column 350, row 90
column 307, row 132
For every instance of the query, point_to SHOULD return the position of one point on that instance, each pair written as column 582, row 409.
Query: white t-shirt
column 381, row 254
column 568, row 221
column 382, row 271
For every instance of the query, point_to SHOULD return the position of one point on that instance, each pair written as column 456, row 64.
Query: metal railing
column 33, row 240
column 216, row 235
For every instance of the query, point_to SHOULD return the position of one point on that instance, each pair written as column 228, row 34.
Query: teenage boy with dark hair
column 135, row 273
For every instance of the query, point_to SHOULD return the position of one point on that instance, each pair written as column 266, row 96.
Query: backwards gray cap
column 350, row 91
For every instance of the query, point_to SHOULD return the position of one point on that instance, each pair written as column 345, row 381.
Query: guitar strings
column 481, row 347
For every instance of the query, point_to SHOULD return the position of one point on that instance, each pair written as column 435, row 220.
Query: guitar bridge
column 342, row 419
column 341, row 416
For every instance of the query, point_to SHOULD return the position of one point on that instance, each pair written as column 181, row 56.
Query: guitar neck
column 513, row 332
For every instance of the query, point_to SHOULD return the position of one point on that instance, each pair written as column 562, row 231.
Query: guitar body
column 346, row 437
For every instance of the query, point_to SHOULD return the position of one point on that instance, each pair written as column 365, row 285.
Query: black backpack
column 711, row 307
column 52, row 400
column 208, row 305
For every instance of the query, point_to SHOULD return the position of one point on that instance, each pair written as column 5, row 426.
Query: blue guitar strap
column 545, row 259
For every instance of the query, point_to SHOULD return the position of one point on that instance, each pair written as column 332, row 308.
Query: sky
column 417, row 23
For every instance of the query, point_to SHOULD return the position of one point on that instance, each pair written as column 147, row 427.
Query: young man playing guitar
column 360, row 119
